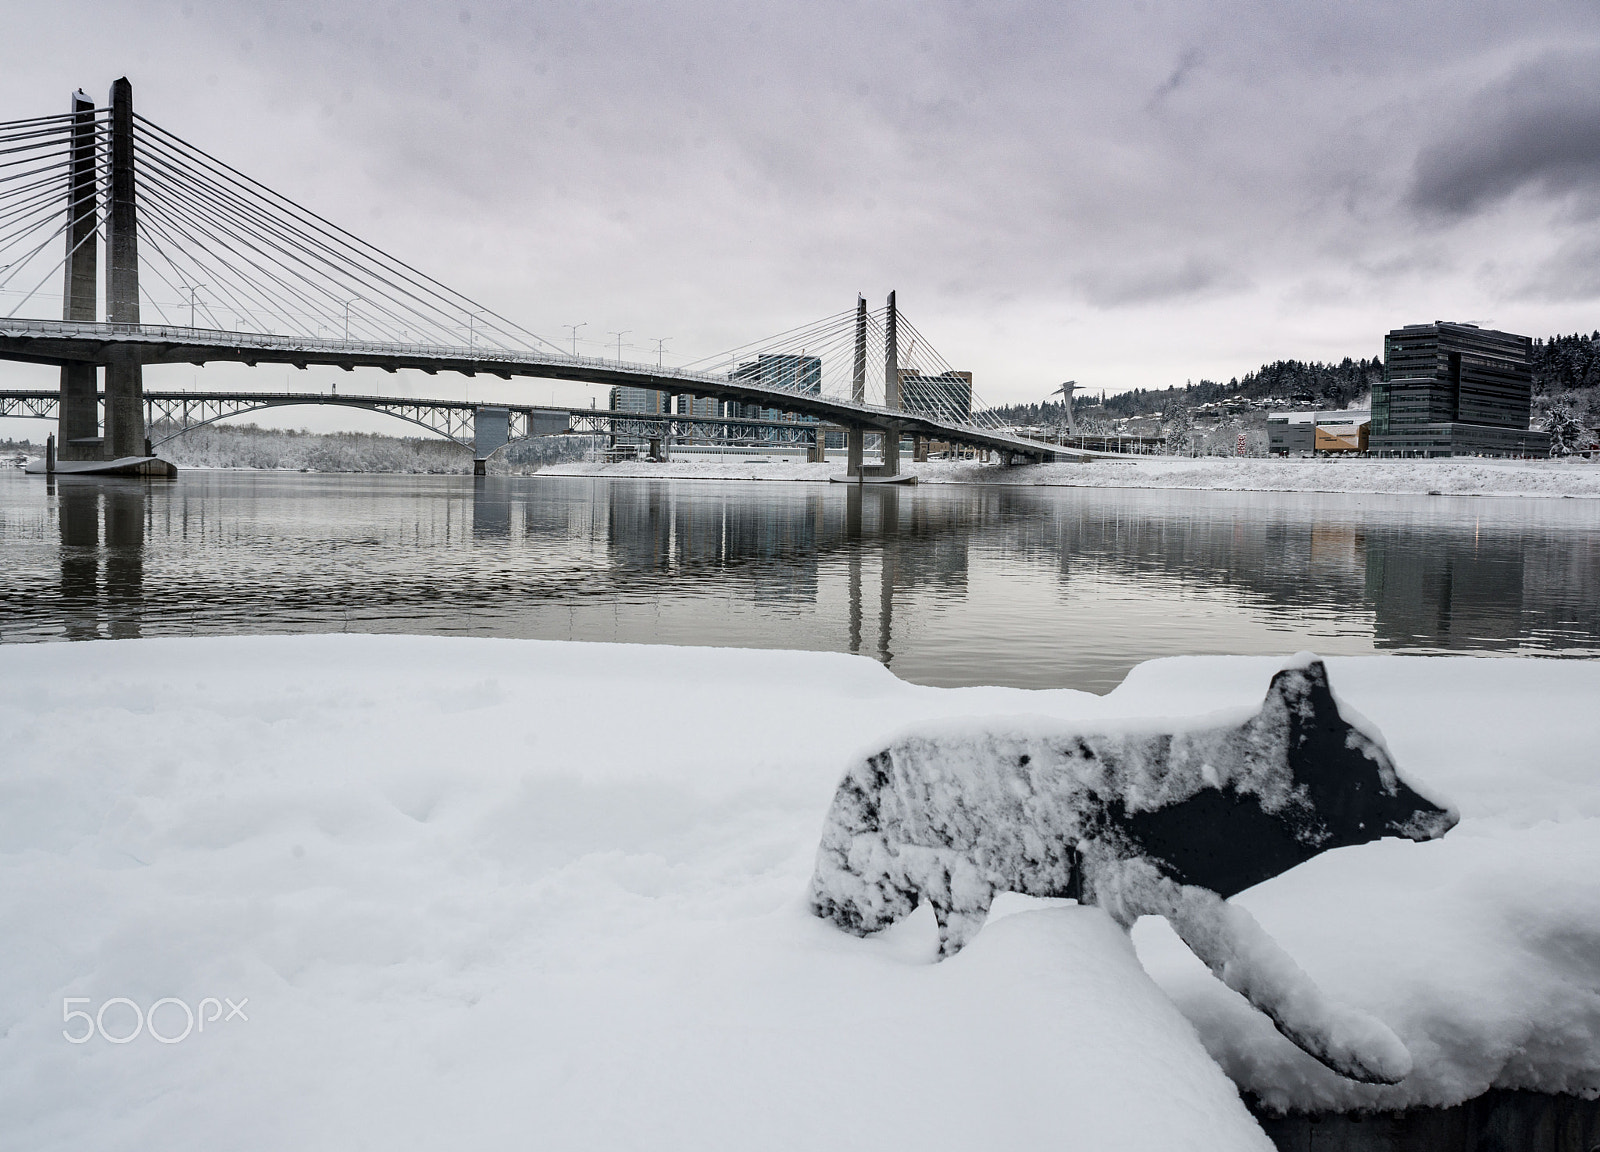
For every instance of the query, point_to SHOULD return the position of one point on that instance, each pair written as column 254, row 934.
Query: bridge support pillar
column 919, row 448
column 891, row 386
column 480, row 467
column 78, row 425
column 124, row 372
column 855, row 440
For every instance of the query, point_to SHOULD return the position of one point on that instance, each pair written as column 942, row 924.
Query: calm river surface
column 1057, row 587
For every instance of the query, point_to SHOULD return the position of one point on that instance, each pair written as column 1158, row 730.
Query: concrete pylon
column 78, row 426
column 858, row 382
column 124, row 435
column 891, row 387
column 855, row 438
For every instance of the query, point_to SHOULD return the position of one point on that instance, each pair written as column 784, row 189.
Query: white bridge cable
column 204, row 230
column 398, row 277
column 219, row 215
column 242, row 222
column 218, row 190
column 36, row 204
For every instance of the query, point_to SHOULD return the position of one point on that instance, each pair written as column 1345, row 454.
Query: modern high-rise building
column 947, row 394
column 787, row 370
column 641, row 400
column 1454, row 390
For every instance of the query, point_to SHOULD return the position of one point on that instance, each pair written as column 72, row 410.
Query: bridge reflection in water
column 946, row 585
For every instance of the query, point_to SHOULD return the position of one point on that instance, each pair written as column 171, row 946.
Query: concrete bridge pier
column 491, row 431
column 855, row 442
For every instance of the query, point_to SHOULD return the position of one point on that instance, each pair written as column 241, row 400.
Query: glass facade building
column 1454, row 390
column 793, row 372
column 947, row 395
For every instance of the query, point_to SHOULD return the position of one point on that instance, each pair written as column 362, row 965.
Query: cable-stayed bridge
column 231, row 271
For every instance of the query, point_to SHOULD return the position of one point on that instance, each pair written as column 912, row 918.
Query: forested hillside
column 1566, row 363
column 1561, row 364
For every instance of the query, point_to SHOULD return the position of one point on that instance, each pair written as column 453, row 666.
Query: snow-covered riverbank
column 1465, row 476
column 513, row 894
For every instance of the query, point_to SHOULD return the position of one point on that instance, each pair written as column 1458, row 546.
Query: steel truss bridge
column 266, row 281
column 175, row 413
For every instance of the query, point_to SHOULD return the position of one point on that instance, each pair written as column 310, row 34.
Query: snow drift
column 512, row 894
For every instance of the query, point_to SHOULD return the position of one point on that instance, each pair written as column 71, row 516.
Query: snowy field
column 516, row 894
column 1453, row 477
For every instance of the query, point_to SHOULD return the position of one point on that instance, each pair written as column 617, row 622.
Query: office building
column 947, row 395
column 1289, row 433
column 1454, row 390
column 790, row 371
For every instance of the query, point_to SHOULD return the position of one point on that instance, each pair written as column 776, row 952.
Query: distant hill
column 1325, row 385
column 1560, row 364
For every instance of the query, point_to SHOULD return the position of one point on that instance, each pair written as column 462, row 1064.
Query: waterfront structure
column 947, row 394
column 1454, row 390
column 1343, row 431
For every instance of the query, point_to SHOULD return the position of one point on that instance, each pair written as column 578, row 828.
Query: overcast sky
column 1131, row 194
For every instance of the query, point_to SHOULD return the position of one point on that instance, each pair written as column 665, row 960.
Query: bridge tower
column 78, row 428
column 855, row 438
column 891, row 387
column 124, row 433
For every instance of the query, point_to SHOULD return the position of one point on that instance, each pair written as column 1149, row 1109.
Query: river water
column 1044, row 587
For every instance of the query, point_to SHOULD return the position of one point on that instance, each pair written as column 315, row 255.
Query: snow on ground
column 496, row 894
column 1463, row 476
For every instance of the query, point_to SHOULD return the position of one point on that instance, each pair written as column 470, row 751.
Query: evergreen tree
column 1566, row 434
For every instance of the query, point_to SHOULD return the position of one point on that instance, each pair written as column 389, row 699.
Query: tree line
column 1560, row 364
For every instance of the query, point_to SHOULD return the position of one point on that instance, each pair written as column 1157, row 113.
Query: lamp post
column 573, row 329
column 347, row 304
column 193, row 288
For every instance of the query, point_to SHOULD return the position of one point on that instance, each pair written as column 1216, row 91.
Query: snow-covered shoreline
column 499, row 893
column 1463, row 476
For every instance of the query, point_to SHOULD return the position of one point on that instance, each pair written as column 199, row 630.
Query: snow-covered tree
column 1179, row 428
column 1566, row 434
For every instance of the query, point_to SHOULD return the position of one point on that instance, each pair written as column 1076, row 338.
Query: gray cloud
column 1539, row 128
column 1187, row 63
column 720, row 169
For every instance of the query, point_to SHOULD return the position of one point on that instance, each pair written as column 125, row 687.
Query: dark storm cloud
column 1538, row 129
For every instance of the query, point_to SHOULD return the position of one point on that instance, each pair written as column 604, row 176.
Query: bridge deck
column 62, row 342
